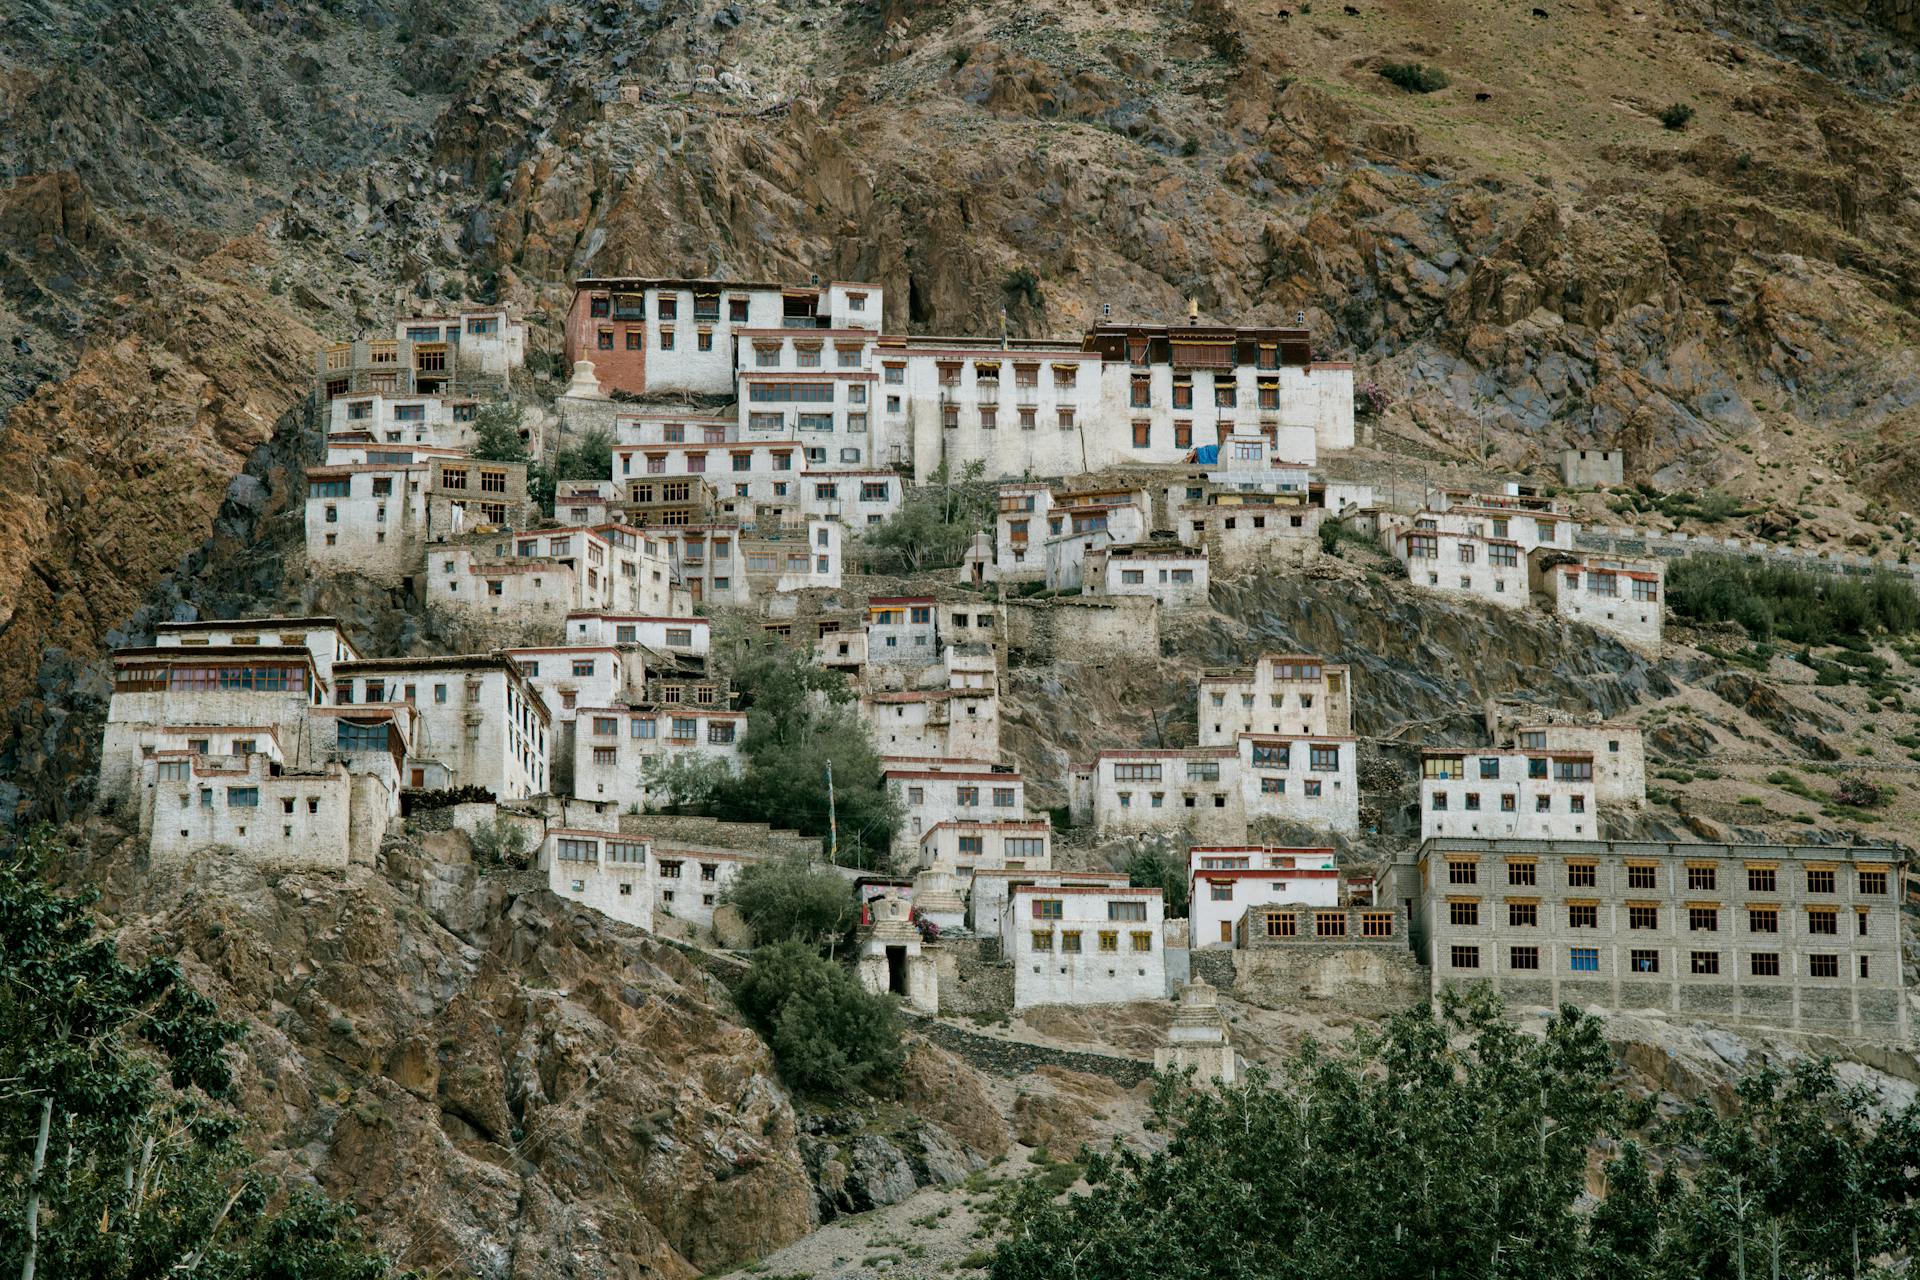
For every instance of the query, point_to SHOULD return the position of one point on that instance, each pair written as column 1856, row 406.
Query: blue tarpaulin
column 1207, row 454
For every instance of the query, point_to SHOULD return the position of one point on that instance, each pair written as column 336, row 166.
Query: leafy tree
column 499, row 842
column 589, row 457
column 1449, row 1144
column 800, row 720
column 828, row 1033
column 1163, row 869
column 121, row 1154
column 496, row 432
column 1795, row 1181
column 935, row 522
column 790, row 900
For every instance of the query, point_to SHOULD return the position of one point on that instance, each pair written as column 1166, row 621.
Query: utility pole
column 833, row 822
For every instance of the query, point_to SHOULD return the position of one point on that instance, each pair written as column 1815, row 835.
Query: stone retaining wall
column 1014, row 1059
column 1615, row 540
column 1368, row 980
column 974, row 984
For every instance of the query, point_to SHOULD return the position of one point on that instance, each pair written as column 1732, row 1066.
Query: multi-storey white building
column 1216, row 791
column 728, row 564
column 205, row 809
column 372, row 418
column 1224, row 880
column 965, row 847
column 162, row 692
column 321, row 637
column 1622, row 597
column 650, row 336
column 1463, row 564
column 1084, row 945
column 606, row 870
column 956, row 723
column 1528, row 795
column 545, row 575
column 902, row 630
column 1018, row 407
column 375, row 518
column 1531, row 522
column 1283, row 693
column 987, row 897
column 616, row 746
column 1618, row 751
column 683, row 637
column 1174, row 575
column 480, row 722
column 690, row 880
column 934, row 791
column 488, row 339
column 1033, row 517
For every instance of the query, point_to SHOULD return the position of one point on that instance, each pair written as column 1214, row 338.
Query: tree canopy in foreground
column 119, row 1152
column 1454, row 1144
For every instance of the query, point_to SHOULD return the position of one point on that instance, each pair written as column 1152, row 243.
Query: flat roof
column 1661, row 849
column 230, row 624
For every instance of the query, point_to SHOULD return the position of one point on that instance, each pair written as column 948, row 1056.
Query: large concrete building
column 1282, row 693
column 1794, row 936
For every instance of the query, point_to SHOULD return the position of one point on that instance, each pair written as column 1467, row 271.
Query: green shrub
column 828, row 1033
column 1676, row 116
column 1021, row 282
column 1795, row 604
column 1415, row 77
column 499, row 843
column 790, row 901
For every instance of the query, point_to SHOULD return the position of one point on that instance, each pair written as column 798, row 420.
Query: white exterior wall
column 690, row 636
column 940, row 848
column 857, row 499
column 1569, row 811
column 1295, row 788
column 1270, row 698
column 297, row 820
column 1157, row 576
column 1319, row 397
column 1602, row 595
column 542, row 577
column 1593, row 468
column 988, row 893
column 836, row 431
column 1483, row 517
column 1026, row 506
column 771, row 473
column 485, row 338
column 1006, row 449
column 595, row 677
column 686, row 367
column 961, row 791
column 1246, row 534
column 610, row 872
column 960, row 724
column 432, row 421
column 475, row 722
column 910, row 642
column 1463, row 565
column 611, row 767
column 320, row 637
column 382, row 536
column 1055, row 975
column 1251, row 877
column 1066, row 558
column 704, row 875
column 137, row 721
column 1186, row 798
column 1618, row 751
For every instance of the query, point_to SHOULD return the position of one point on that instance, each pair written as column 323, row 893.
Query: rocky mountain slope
column 192, row 196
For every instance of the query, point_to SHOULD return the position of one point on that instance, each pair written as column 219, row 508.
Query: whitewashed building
column 688, row 637
column 542, row 576
column 1618, row 750
column 902, row 630
column 955, row 723
column 965, row 847
column 1527, row 795
column 248, row 809
column 1623, row 597
column 609, row 871
column 615, row 746
column 1174, row 575
column 375, row 419
column 1016, row 406
column 1282, row 693
column 934, row 791
column 1215, row 791
column 991, row 889
column 481, row 723
column 1032, row 517
column 1076, row 945
column 489, row 340
column 321, row 637
column 1224, row 880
